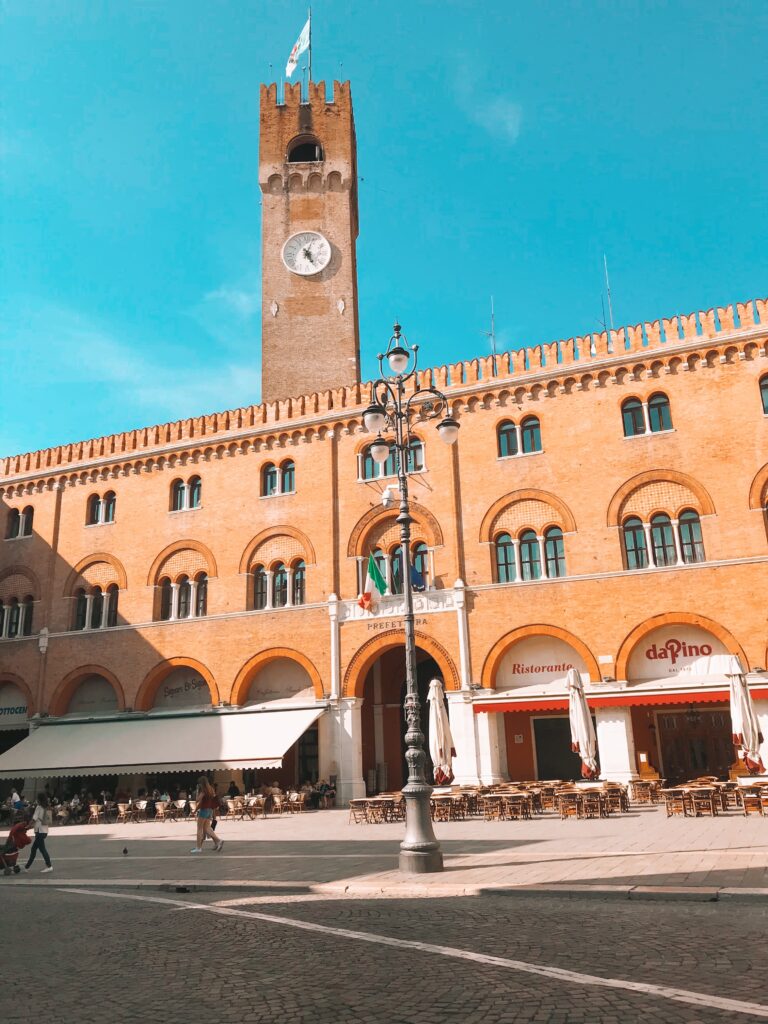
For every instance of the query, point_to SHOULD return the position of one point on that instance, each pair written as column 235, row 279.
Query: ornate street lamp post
column 391, row 410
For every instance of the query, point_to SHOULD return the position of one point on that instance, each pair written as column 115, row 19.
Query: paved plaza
column 322, row 852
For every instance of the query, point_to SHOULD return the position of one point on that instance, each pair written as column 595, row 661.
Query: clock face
column 307, row 253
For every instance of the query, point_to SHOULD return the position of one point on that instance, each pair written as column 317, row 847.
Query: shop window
column 530, row 556
column 554, row 551
column 764, row 393
column 530, row 429
column 635, row 548
column 659, row 413
column 663, row 540
column 691, row 540
column 299, row 582
column 632, row 417
column 506, row 436
column 260, row 580
column 506, row 569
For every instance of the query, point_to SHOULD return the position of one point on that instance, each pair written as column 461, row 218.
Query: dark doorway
column 695, row 742
column 554, row 757
column 426, row 671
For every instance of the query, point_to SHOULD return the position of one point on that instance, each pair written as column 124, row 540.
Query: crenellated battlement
column 579, row 353
column 317, row 95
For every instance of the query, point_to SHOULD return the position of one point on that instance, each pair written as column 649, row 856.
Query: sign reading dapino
column 671, row 651
column 674, row 649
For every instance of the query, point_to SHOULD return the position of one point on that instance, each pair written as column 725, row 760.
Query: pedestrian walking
column 207, row 802
column 42, row 819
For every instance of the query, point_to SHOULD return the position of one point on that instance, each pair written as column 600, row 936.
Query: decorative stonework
column 393, row 606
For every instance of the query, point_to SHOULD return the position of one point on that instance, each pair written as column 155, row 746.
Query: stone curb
column 690, row 893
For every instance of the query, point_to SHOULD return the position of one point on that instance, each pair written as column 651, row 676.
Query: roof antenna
column 492, row 335
column 608, row 289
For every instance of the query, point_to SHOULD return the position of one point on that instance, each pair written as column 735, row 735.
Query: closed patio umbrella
column 441, row 748
column 583, row 740
column 746, row 731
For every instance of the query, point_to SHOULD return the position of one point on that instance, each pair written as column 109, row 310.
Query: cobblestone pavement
column 123, row 957
column 323, row 849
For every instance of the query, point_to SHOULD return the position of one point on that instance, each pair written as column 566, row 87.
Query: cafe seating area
column 708, row 797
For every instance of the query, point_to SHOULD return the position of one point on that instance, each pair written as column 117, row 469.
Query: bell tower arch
column 308, row 180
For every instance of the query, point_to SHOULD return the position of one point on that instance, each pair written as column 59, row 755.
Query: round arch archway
column 145, row 698
column 676, row 619
column 505, row 643
column 253, row 666
column 65, row 691
column 363, row 659
column 11, row 679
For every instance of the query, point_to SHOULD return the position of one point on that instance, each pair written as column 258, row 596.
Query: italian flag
column 375, row 586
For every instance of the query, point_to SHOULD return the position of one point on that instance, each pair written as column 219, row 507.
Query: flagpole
column 309, row 48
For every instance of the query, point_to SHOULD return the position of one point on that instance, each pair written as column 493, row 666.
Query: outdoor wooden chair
column 96, row 815
column 569, row 804
column 641, row 791
column 124, row 813
column 492, row 807
column 702, row 801
column 592, row 803
column 279, row 803
column 161, row 808
column 675, row 802
column 140, row 810
column 258, row 806
column 358, row 811
column 516, row 806
column 751, row 800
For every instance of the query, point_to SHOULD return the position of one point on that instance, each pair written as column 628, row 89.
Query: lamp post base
column 421, row 862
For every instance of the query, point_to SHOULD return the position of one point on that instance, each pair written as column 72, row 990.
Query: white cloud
column 499, row 117
column 237, row 300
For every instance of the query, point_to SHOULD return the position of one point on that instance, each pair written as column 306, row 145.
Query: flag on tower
column 375, row 586
column 301, row 44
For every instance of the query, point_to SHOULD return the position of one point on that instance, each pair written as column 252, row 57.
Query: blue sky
column 503, row 148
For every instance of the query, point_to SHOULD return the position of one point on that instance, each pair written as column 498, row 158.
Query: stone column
column 88, row 606
column 491, row 744
column 649, row 543
column 192, row 598
column 333, row 612
column 347, row 748
column 466, row 763
column 678, row 547
column 542, row 556
column 518, row 560
column 388, row 572
column 174, row 601
column 270, row 593
column 646, row 418
column 463, row 628
column 289, row 596
column 615, row 744
column 761, row 710
column 105, row 610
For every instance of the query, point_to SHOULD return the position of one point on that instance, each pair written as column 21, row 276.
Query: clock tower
column 308, row 180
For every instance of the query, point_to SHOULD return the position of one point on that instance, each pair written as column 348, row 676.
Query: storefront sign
column 183, row 688
column 13, row 707
column 538, row 663
column 94, row 696
column 281, row 679
column 678, row 651
column 394, row 624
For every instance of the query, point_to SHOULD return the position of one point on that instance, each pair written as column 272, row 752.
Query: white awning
column 200, row 742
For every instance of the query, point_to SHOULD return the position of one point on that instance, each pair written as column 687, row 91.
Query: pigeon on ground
column 125, row 851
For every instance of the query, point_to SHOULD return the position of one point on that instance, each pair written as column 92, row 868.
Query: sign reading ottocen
column 673, row 651
column 13, row 707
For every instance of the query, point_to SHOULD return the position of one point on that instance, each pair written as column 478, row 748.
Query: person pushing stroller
column 9, row 852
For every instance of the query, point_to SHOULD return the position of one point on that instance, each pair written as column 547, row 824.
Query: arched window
column 184, row 598
column 390, row 466
column 81, row 609
column 259, row 587
column 369, row 467
column 554, row 551
column 635, row 548
column 178, row 495
column 691, row 541
column 269, row 480
column 764, row 393
column 195, row 491
column 108, row 507
column 288, row 477
column 632, row 417
column 14, row 524
column 420, row 562
column 381, row 564
column 201, row 595
column 112, row 597
column 27, row 612
column 415, row 456
column 659, row 413
column 530, row 556
column 305, row 150
column 27, row 518
column 396, row 555
column 530, row 429
column 506, row 568
column 299, row 582
column 280, row 584
column 93, row 514
column 14, row 618
column 166, row 599
column 506, row 436
column 97, row 607
column 663, row 540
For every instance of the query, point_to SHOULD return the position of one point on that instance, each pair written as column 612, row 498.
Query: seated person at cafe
column 233, row 790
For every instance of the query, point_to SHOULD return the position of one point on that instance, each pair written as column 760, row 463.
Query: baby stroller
column 9, row 852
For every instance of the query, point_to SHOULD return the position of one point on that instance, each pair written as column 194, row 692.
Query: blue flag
column 417, row 580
